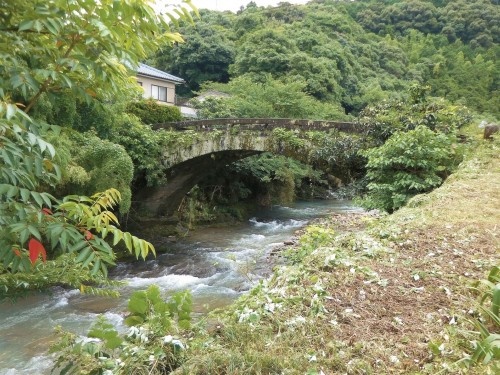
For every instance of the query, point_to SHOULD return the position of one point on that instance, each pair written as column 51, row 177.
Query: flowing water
column 215, row 264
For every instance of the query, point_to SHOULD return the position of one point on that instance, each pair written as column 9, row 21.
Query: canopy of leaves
column 57, row 49
column 150, row 112
column 205, row 56
column 353, row 53
column 269, row 98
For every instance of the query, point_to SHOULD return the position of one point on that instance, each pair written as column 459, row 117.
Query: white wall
column 146, row 86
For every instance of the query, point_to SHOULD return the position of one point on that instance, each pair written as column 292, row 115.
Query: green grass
column 371, row 295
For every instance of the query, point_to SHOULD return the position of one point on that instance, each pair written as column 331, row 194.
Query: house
column 157, row 84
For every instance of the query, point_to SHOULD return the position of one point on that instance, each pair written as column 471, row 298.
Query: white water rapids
column 215, row 264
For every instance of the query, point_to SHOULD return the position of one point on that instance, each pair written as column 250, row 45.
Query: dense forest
column 76, row 143
column 391, row 66
column 344, row 54
column 335, row 60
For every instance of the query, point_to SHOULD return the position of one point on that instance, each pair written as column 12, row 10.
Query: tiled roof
column 147, row 70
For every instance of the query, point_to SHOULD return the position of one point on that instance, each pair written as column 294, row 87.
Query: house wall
column 146, row 86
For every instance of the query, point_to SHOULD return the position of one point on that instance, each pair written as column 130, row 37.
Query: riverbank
column 370, row 294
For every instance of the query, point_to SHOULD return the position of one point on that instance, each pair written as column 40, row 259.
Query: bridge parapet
column 260, row 124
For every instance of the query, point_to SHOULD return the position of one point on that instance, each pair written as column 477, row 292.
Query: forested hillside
column 361, row 293
column 345, row 54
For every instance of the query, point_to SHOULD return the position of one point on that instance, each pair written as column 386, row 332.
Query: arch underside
column 181, row 178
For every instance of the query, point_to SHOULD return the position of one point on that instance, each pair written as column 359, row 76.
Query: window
column 159, row 93
column 139, row 83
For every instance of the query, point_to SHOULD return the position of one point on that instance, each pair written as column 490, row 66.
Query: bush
column 97, row 165
column 407, row 164
column 145, row 147
column 384, row 119
column 152, row 344
column 150, row 112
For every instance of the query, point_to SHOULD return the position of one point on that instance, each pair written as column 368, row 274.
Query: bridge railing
column 260, row 124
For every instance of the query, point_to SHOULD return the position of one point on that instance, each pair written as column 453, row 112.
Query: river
column 215, row 264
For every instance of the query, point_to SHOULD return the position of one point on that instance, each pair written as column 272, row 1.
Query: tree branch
column 48, row 81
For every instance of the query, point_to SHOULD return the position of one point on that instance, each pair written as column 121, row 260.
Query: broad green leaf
column 138, row 303
column 83, row 255
column 26, row 25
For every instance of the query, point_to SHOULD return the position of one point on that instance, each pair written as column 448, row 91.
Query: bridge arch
column 222, row 142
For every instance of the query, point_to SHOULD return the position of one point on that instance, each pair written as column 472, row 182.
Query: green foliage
column 98, row 165
column 352, row 54
column 145, row 148
column 96, row 116
column 275, row 179
column 287, row 138
column 384, row 119
column 269, row 98
column 401, row 16
column 61, row 49
column 75, row 228
column 486, row 345
column 213, row 107
column 149, row 346
column 471, row 21
column 265, row 51
column 314, row 238
column 150, row 112
column 205, row 56
column 339, row 154
column 407, row 164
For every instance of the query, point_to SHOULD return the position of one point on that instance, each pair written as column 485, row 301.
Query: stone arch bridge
column 217, row 142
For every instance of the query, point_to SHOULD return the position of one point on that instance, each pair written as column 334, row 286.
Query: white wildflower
column 398, row 320
column 270, row 307
column 177, row 343
column 133, row 331
column 135, row 349
column 394, row 359
column 318, row 287
column 245, row 314
column 329, row 258
column 86, row 340
column 168, row 339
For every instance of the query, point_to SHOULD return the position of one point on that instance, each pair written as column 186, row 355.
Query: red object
column 36, row 248
column 17, row 252
column 88, row 235
column 46, row 211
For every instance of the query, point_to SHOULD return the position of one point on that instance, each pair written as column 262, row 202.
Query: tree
column 205, row 55
column 407, row 164
column 265, row 51
column 62, row 48
column 263, row 96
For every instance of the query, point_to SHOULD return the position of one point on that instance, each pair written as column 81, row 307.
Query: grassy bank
column 369, row 294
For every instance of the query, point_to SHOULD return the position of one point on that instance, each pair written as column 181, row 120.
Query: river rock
column 489, row 130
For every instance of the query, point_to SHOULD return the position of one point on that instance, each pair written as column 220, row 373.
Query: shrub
column 98, row 165
column 384, row 119
column 407, row 164
column 152, row 345
column 144, row 146
column 150, row 112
